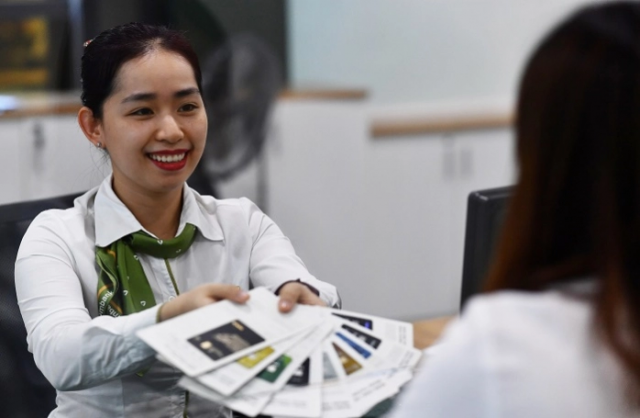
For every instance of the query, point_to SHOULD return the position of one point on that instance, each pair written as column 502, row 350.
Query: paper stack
column 311, row 362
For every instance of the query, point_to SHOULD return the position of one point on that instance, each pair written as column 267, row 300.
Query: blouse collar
column 114, row 220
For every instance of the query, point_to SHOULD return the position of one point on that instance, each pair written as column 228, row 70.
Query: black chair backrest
column 25, row 391
column 485, row 212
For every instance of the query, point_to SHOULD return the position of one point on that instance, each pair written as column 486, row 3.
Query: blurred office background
column 388, row 114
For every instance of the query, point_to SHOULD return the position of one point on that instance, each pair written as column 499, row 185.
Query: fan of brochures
column 311, row 362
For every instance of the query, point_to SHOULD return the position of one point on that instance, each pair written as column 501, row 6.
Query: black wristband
column 313, row 289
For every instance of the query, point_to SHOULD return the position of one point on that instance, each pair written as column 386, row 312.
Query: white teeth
column 168, row 158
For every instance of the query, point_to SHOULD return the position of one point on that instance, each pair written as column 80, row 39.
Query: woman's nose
column 169, row 130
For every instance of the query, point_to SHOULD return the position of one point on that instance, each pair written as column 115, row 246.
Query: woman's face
column 154, row 124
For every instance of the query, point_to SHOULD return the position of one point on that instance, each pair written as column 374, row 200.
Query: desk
column 424, row 334
column 427, row 331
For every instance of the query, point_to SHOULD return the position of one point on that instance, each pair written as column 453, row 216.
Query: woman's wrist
column 313, row 289
column 159, row 313
column 168, row 310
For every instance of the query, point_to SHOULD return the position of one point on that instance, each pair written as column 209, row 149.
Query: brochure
column 217, row 334
column 313, row 362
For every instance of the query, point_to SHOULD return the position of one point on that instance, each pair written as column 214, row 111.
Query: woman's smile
column 170, row 160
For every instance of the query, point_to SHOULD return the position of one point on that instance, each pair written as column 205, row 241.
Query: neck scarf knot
column 123, row 287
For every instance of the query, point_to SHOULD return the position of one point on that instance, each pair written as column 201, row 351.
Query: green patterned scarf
column 123, row 287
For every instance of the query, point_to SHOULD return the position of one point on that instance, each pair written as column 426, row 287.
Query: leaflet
column 252, row 398
column 293, row 367
column 332, row 369
column 302, row 396
column 217, row 334
column 388, row 329
column 229, row 378
column 384, row 366
column 370, row 389
column 378, row 352
column 351, row 362
column 356, row 395
column 313, row 362
column 337, row 401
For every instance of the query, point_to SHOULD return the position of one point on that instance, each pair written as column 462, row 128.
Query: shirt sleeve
column 453, row 382
column 73, row 350
column 273, row 259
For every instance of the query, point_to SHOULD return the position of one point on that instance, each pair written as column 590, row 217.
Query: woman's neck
column 158, row 213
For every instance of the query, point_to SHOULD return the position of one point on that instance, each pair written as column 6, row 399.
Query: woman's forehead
column 157, row 70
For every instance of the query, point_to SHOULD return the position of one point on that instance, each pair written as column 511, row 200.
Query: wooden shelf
column 323, row 94
column 391, row 127
column 44, row 104
column 48, row 110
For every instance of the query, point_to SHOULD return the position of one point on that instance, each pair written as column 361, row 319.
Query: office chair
column 485, row 213
column 26, row 393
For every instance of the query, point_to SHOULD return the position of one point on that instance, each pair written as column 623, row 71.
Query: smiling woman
column 153, row 126
column 143, row 246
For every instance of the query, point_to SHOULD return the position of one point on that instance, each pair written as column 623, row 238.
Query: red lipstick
column 169, row 160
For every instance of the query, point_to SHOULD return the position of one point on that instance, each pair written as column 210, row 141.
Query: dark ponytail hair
column 106, row 53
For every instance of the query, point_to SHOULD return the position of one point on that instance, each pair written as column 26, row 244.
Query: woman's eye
column 142, row 112
column 188, row 107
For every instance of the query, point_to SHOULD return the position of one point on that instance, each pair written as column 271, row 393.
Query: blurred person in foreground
column 558, row 332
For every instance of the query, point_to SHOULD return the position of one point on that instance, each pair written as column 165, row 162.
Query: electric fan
column 241, row 80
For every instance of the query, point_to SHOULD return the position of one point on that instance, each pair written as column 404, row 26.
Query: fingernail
column 285, row 304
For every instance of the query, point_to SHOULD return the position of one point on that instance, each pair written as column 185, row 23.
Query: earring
column 98, row 144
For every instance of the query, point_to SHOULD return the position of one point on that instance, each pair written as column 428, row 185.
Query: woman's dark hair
column 575, row 211
column 107, row 52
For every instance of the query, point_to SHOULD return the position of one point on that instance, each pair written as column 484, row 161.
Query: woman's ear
column 91, row 126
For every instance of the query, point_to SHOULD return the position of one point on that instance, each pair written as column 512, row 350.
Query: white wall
column 418, row 50
column 413, row 57
column 384, row 218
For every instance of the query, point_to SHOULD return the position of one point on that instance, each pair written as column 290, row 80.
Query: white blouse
column 516, row 354
column 91, row 359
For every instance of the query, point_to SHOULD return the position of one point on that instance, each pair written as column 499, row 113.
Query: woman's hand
column 296, row 292
column 200, row 296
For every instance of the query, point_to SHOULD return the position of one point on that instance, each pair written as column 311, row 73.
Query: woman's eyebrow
column 139, row 97
column 186, row 92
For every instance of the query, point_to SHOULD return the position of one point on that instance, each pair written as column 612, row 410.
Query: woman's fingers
column 226, row 291
column 201, row 296
column 290, row 295
column 295, row 292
